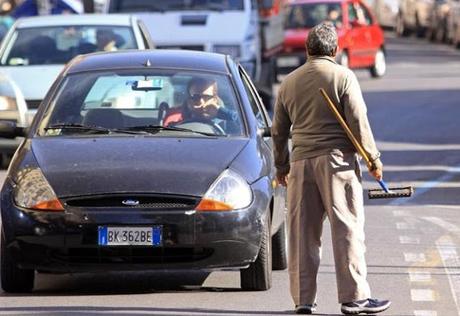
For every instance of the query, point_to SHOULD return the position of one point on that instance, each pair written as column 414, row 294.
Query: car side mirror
column 265, row 132
column 356, row 23
column 11, row 130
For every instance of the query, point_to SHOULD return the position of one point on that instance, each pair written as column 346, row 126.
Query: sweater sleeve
column 280, row 135
column 356, row 117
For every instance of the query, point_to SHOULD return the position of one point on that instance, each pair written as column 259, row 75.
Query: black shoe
column 305, row 308
column 368, row 306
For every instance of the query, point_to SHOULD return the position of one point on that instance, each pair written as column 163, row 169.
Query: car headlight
column 33, row 191
column 229, row 192
column 232, row 50
column 7, row 104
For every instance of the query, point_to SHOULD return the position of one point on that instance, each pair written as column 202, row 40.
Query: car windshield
column 144, row 102
column 59, row 44
column 307, row 15
column 171, row 5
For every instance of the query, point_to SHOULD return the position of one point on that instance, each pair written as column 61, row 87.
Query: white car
column 36, row 49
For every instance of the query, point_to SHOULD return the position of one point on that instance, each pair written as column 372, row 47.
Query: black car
column 102, row 183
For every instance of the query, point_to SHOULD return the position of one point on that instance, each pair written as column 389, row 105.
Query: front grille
column 33, row 104
column 187, row 47
column 133, row 255
column 156, row 202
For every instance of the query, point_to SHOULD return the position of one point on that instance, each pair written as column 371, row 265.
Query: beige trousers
column 327, row 185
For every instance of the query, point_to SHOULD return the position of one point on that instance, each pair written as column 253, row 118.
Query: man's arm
column 280, row 135
column 356, row 117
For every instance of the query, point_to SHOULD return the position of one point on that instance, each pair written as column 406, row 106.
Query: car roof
column 158, row 58
column 75, row 19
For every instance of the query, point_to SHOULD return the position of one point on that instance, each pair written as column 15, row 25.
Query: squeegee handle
column 347, row 130
column 383, row 185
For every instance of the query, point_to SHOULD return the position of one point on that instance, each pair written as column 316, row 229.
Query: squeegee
column 385, row 191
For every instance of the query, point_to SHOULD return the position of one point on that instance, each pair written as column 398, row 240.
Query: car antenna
column 147, row 63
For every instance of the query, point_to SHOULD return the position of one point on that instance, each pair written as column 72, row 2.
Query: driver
column 202, row 105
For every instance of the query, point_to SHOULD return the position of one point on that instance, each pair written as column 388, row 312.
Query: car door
column 360, row 33
column 266, row 144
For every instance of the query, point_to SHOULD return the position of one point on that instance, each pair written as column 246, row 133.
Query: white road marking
column 425, row 313
column 452, row 228
column 401, row 213
column 414, row 257
column 447, row 251
column 407, row 240
column 422, row 295
column 419, row 276
column 404, row 226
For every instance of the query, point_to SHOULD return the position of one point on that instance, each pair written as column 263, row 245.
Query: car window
column 57, row 45
column 307, row 15
column 255, row 106
column 358, row 13
column 170, row 5
column 124, row 99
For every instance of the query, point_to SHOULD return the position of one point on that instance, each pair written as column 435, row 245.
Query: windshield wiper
column 157, row 128
column 80, row 127
column 93, row 129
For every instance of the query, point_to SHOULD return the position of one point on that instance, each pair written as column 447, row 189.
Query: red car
column 361, row 41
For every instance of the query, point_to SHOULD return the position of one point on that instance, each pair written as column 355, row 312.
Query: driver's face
column 202, row 101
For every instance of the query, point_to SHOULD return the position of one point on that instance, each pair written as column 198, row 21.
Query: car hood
column 206, row 30
column 34, row 81
column 164, row 165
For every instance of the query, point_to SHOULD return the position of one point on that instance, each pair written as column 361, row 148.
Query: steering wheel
column 204, row 127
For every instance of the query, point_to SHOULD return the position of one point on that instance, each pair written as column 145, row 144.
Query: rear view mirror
column 147, row 85
column 11, row 130
column 265, row 132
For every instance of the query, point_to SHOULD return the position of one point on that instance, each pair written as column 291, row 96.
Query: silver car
column 38, row 47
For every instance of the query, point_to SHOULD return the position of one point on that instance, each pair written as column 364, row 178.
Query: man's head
column 322, row 40
column 202, row 99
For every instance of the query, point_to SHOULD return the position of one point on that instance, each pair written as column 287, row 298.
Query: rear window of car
column 57, row 45
column 126, row 100
column 307, row 15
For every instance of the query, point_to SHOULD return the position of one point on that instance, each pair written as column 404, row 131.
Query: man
column 202, row 105
column 323, row 177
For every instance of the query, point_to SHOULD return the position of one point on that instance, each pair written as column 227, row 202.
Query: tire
column 379, row 68
column 258, row 276
column 279, row 258
column 14, row 279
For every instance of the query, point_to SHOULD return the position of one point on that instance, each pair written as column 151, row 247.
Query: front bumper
column 68, row 241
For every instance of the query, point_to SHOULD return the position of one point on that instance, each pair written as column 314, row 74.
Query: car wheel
column 14, row 279
column 344, row 59
column 279, row 259
column 258, row 276
column 379, row 68
column 420, row 30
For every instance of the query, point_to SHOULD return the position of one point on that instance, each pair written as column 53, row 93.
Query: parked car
column 413, row 16
column 361, row 41
column 453, row 23
column 101, row 183
column 438, row 21
column 13, row 108
column 36, row 48
column 385, row 11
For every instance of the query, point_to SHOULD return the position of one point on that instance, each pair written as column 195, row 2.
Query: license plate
column 288, row 61
column 130, row 236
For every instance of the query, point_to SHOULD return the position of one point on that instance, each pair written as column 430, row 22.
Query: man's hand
column 282, row 178
column 376, row 171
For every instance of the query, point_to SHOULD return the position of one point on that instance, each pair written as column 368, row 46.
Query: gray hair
column 322, row 40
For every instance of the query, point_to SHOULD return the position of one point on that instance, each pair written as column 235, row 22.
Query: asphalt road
column 413, row 245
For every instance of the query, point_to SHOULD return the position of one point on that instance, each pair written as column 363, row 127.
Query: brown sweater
column 315, row 130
